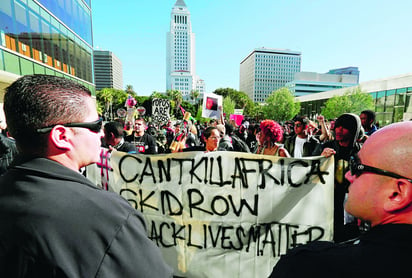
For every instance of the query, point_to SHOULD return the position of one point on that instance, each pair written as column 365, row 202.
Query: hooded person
column 345, row 145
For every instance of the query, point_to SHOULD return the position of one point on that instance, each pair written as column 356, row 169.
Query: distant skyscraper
column 108, row 72
column 180, row 53
column 264, row 71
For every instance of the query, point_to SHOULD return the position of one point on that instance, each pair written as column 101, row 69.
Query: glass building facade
column 47, row 37
column 392, row 99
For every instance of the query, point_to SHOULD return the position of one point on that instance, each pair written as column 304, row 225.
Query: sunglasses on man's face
column 356, row 168
column 95, row 126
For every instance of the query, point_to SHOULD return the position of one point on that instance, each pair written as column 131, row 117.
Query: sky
column 373, row 35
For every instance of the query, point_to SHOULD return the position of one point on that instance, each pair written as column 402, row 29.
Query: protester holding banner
column 114, row 139
column 238, row 144
column 54, row 221
column 211, row 137
column 144, row 142
column 191, row 138
column 380, row 192
column 269, row 138
column 251, row 137
column 345, row 144
column 225, row 139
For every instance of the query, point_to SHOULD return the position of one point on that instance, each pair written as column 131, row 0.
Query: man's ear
column 60, row 137
column 400, row 195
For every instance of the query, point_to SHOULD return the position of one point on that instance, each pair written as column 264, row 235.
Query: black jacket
column 8, row 151
column 56, row 223
column 384, row 251
column 342, row 232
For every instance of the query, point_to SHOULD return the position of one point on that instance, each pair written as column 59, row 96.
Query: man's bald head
column 379, row 198
column 390, row 148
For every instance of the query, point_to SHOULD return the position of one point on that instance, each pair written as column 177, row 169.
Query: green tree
column 111, row 100
column 104, row 100
column 228, row 106
column 130, row 90
column 177, row 98
column 157, row 95
column 194, row 94
column 352, row 101
column 241, row 99
column 256, row 111
column 281, row 105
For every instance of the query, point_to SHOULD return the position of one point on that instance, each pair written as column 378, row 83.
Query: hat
column 347, row 121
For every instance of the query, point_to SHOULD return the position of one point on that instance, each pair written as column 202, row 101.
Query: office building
column 180, row 53
column 305, row 83
column 265, row 70
column 108, row 72
column 392, row 98
column 46, row 37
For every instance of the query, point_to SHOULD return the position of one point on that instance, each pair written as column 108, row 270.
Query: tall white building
column 180, row 53
column 265, row 70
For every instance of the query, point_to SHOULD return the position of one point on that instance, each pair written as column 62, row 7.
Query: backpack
column 239, row 145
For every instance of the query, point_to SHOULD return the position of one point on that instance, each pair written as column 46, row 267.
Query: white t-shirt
column 298, row 152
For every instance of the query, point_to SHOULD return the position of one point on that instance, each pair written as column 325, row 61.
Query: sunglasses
column 356, row 168
column 95, row 126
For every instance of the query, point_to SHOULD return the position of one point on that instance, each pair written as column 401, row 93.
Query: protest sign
column 211, row 104
column 160, row 110
column 227, row 214
column 237, row 118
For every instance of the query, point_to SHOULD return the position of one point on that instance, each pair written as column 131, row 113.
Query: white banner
column 226, row 214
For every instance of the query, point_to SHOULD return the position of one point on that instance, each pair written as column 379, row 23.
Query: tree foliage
column 194, row 95
column 109, row 100
column 256, row 111
column 241, row 99
column 176, row 97
column 281, row 105
column 130, row 90
column 228, row 106
column 352, row 101
column 158, row 95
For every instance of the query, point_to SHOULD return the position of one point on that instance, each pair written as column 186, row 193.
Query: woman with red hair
column 271, row 133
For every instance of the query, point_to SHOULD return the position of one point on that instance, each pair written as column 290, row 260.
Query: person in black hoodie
column 345, row 145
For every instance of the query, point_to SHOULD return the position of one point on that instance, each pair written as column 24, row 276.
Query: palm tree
column 194, row 94
column 129, row 89
column 107, row 96
column 177, row 97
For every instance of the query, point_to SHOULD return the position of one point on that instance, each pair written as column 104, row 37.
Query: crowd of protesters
column 299, row 137
column 54, row 161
